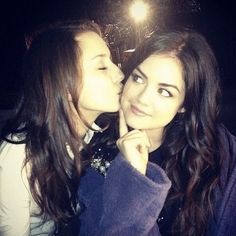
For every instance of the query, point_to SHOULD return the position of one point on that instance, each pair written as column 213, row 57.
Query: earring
column 182, row 110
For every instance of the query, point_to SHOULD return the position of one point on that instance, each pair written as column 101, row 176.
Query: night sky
column 215, row 20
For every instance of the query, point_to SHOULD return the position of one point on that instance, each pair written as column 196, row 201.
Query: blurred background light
column 139, row 10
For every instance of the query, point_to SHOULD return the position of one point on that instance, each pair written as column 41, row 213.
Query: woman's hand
column 133, row 145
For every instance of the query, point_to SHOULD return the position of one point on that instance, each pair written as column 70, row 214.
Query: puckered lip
column 137, row 111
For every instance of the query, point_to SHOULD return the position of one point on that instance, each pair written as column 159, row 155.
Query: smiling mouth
column 137, row 111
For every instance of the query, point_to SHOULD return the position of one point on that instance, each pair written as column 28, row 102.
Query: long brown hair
column 51, row 71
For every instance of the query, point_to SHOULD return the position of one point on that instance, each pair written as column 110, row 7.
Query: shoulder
column 228, row 144
column 228, row 140
column 12, row 155
column 14, row 188
column 13, row 174
column 227, row 214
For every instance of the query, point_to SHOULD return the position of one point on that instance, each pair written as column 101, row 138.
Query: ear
column 181, row 110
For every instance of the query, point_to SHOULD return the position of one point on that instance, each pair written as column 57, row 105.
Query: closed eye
column 102, row 68
column 164, row 92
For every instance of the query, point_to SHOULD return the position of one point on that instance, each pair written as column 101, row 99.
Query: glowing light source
column 139, row 10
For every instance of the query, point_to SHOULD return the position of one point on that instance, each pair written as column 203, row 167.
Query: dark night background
column 215, row 19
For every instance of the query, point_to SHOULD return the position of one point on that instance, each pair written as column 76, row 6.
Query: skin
column 101, row 86
column 152, row 96
column 101, row 78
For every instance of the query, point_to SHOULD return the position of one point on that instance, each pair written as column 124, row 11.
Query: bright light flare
column 139, row 10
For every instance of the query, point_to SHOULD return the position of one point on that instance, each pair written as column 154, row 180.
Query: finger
column 148, row 144
column 135, row 134
column 138, row 141
column 122, row 124
column 128, row 136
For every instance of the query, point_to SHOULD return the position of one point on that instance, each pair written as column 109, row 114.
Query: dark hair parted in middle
column 189, row 146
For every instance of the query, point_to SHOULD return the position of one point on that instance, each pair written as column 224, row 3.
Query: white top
column 88, row 136
column 17, row 206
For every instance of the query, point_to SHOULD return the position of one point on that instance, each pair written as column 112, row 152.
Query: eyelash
column 160, row 90
column 135, row 78
column 102, row 68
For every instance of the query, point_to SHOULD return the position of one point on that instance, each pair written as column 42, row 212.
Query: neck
column 81, row 128
column 80, row 125
column 155, row 138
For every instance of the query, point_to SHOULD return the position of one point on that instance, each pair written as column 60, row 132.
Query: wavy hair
column 189, row 145
column 51, row 71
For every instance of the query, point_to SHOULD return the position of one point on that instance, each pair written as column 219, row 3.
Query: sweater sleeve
column 14, row 195
column 226, row 214
column 128, row 203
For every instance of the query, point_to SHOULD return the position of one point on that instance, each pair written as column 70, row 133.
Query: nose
column 143, row 96
column 118, row 75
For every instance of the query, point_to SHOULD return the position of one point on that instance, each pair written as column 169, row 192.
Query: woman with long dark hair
column 175, row 173
column 69, row 80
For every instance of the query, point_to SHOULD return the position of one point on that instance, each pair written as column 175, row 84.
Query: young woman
column 175, row 174
column 69, row 80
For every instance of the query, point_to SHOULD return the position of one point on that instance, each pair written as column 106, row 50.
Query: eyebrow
column 161, row 84
column 100, row 56
column 169, row 85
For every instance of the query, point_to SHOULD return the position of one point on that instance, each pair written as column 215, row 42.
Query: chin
column 115, row 108
column 133, row 124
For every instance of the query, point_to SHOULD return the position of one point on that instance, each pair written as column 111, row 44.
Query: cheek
column 105, row 85
column 90, row 94
column 96, row 85
column 124, row 98
column 165, row 113
column 127, row 93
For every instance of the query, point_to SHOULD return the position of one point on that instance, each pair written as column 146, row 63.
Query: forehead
column 164, row 68
column 92, row 45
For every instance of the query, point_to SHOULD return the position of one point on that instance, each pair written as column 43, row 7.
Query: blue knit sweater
column 126, row 202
